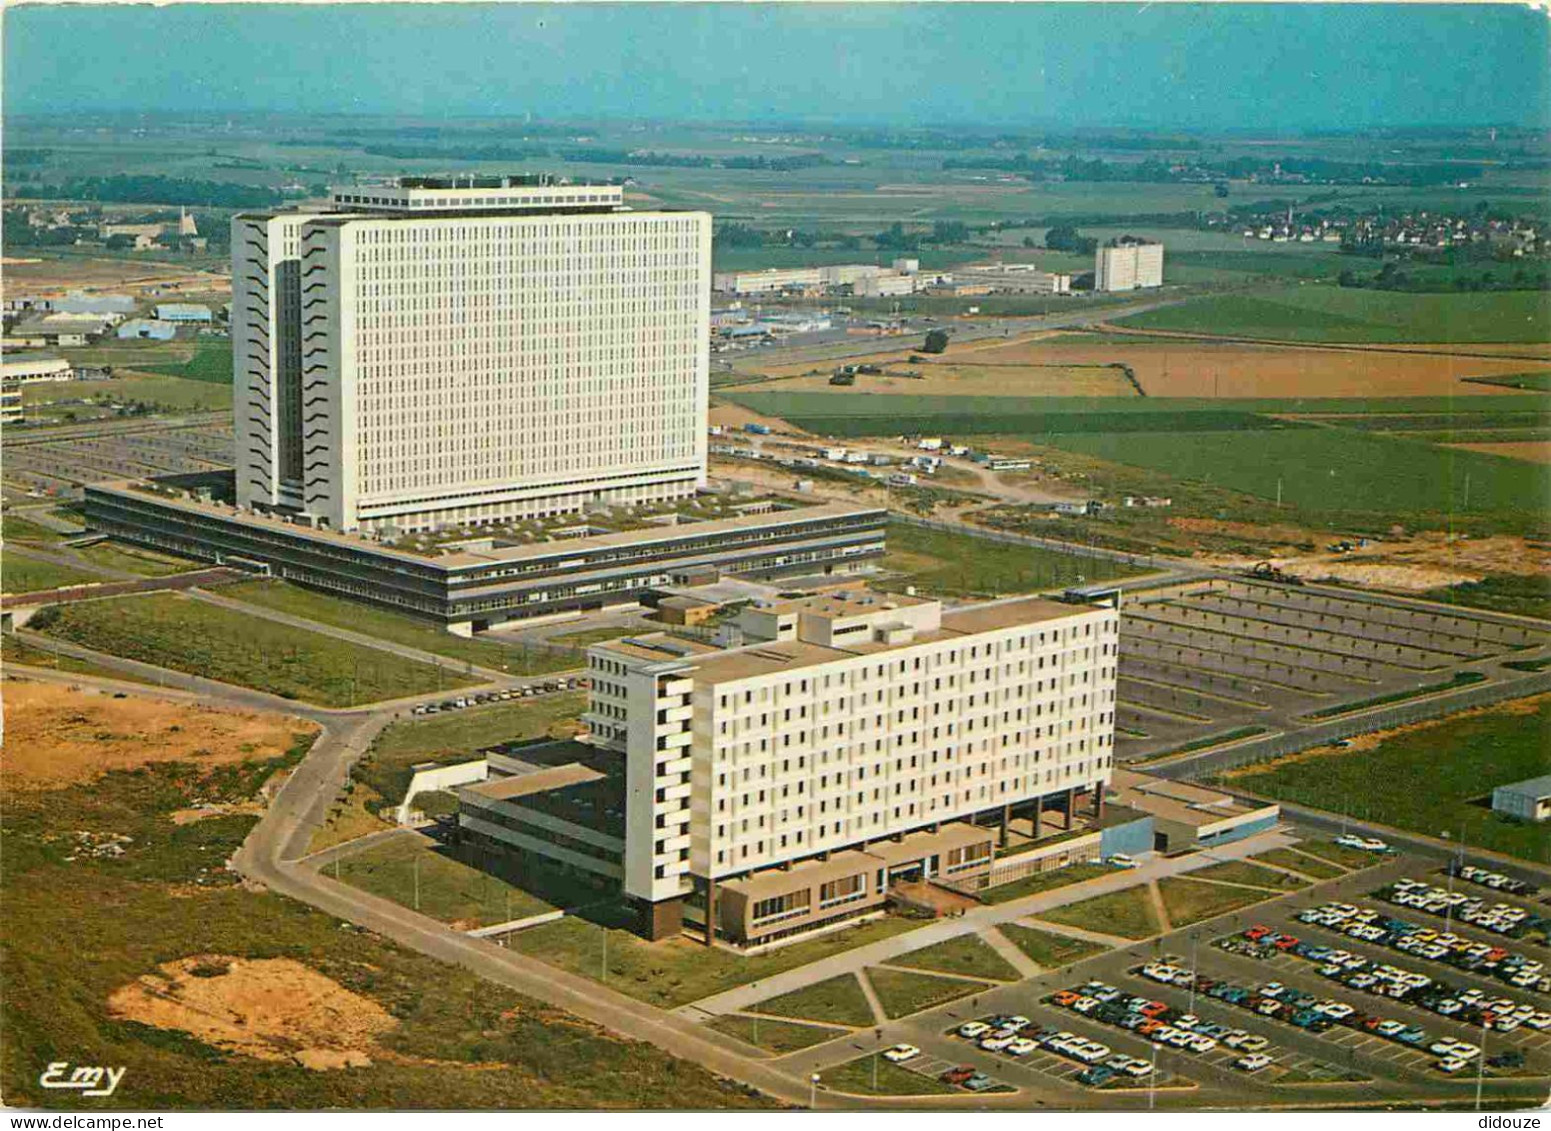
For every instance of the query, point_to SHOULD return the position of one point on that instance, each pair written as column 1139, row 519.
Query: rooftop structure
column 1528, row 800
column 1187, row 815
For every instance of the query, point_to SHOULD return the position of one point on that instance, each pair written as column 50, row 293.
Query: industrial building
column 1528, row 800
column 25, row 369
column 195, row 312
column 902, row 276
column 1013, row 278
column 1128, row 263
column 477, row 349
column 779, row 785
column 1190, row 816
column 476, row 583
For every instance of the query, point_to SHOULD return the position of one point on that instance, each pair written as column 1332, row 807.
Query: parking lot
column 1225, row 654
column 538, row 687
column 57, row 462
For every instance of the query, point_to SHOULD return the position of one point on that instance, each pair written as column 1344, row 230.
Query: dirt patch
column 1427, row 561
column 1360, row 743
column 735, row 416
column 1531, row 451
column 267, row 1008
column 58, row 735
column 1206, row 369
column 972, row 380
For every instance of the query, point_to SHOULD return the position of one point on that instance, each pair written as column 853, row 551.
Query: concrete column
column 1039, row 812
column 1098, row 799
column 1006, row 816
column 710, row 910
column 1071, row 805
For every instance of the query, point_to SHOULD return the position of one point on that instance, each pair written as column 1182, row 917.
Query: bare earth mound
column 1533, row 451
column 268, row 1008
column 57, row 736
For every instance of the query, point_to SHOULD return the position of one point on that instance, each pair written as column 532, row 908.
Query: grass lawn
column 1127, row 913
column 1043, row 881
column 1437, row 777
column 902, row 993
column 1340, row 314
column 967, row 955
column 874, row 1076
column 450, row 890
column 1046, row 949
column 839, row 999
column 454, row 737
column 16, row 528
column 1299, row 862
column 1350, row 859
column 1242, row 872
column 397, row 628
column 136, row 559
column 939, row 563
column 676, row 971
column 1189, row 901
column 353, row 814
column 592, row 636
column 210, row 361
column 192, row 636
column 1502, row 593
column 777, row 1036
column 158, row 391
column 30, row 575
column 14, row 650
column 76, row 931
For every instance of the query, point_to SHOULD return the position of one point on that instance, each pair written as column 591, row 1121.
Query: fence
column 1321, row 734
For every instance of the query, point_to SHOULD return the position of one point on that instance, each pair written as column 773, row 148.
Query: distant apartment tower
column 468, row 351
column 779, row 786
column 1128, row 264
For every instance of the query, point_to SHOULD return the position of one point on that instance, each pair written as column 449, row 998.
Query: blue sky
column 1200, row 66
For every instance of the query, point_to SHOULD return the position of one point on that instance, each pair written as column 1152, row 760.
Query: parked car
column 901, row 1053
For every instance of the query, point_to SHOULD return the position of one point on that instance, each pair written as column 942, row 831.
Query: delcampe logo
column 88, row 1079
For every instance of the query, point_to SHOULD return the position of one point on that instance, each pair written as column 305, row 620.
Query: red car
column 957, row 1076
column 1257, row 932
column 1286, row 942
column 1153, row 1008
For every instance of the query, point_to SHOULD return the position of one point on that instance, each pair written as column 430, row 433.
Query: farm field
column 20, row 574
column 1530, row 451
column 1341, row 314
column 1003, row 380
column 83, row 930
column 188, row 635
column 1425, row 793
column 161, row 392
column 1324, row 470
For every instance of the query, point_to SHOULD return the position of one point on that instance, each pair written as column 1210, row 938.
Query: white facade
column 857, row 718
column 1128, row 265
column 471, row 365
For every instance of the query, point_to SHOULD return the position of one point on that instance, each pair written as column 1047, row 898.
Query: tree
column 1347, row 278
column 1221, row 189
column 936, row 341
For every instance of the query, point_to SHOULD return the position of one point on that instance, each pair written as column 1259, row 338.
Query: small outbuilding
column 1528, row 800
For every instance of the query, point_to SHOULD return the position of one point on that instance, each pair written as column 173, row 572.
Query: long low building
column 487, row 581
column 1190, row 816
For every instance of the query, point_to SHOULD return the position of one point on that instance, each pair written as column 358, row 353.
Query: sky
column 1160, row 65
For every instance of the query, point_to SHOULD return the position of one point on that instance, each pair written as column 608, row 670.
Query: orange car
column 1065, row 998
column 1152, row 1009
column 1151, row 1025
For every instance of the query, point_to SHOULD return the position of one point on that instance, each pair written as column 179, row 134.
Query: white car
column 973, row 1029
column 1017, row 1023
column 901, row 1053
column 1022, row 1046
column 1121, row 860
column 1254, row 1062
column 1350, row 841
column 996, row 1044
column 1450, row 1064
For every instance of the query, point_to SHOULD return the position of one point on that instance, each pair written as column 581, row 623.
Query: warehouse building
column 779, row 787
column 1528, row 800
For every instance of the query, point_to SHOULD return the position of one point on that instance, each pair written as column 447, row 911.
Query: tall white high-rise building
column 470, row 351
column 1128, row 264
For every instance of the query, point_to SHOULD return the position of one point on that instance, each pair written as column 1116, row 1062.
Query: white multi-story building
column 845, row 745
column 1128, row 264
column 468, row 351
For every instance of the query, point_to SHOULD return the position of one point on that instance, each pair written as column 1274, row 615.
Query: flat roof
column 843, row 603
column 140, row 490
column 775, row 881
column 539, row 781
column 918, row 845
column 1177, row 801
column 1539, row 787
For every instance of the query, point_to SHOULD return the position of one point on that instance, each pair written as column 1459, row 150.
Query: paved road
column 70, row 561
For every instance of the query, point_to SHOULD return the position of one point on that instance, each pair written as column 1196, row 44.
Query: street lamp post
column 813, row 1091
column 1193, row 972
column 1152, row 1079
column 1481, row 1065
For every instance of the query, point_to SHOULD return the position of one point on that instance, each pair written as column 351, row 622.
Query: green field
column 1525, row 596
column 455, row 737
column 936, row 562
column 874, row 1076
column 211, row 362
column 676, row 971
column 17, row 528
column 14, row 650
column 20, row 574
column 966, row 955
column 1047, row 949
column 400, row 629
column 1189, row 901
column 1333, row 472
column 1242, row 872
column 1127, row 913
column 779, row 1037
column 192, row 636
column 448, row 890
column 78, row 930
column 1438, row 778
column 1343, row 314
column 838, row 1000
column 1044, row 881
column 157, row 391
column 903, row 992
column 136, row 559
column 1300, row 862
